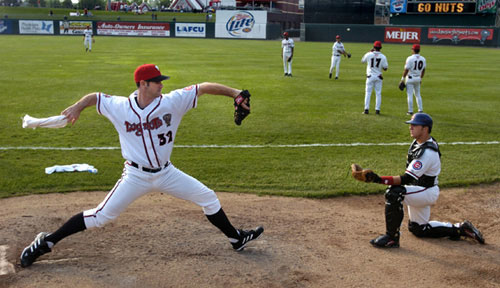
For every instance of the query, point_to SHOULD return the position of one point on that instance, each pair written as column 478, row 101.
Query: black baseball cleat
column 286, row 74
column 36, row 249
column 366, row 111
column 290, row 75
column 409, row 113
column 385, row 241
column 247, row 236
column 330, row 76
column 336, row 78
column 468, row 230
column 377, row 112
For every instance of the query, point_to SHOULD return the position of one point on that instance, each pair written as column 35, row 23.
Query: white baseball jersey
column 376, row 61
column 337, row 49
column 428, row 164
column 87, row 33
column 415, row 65
column 147, row 135
column 287, row 45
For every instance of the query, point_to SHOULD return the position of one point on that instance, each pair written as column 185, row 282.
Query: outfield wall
column 441, row 35
column 404, row 34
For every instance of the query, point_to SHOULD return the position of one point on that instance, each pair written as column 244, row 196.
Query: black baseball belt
column 146, row 169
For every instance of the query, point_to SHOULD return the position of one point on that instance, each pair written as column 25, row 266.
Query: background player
column 413, row 74
column 375, row 63
column 147, row 123
column 287, row 46
column 418, row 189
column 337, row 50
column 88, row 38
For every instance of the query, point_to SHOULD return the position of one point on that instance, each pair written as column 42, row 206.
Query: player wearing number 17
column 147, row 123
column 413, row 75
column 375, row 63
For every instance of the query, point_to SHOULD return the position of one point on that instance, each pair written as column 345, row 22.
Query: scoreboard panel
column 441, row 7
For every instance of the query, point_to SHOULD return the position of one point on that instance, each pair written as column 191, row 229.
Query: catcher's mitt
column 402, row 85
column 348, row 55
column 364, row 175
column 239, row 111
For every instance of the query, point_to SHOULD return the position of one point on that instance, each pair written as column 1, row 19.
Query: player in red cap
column 413, row 73
column 88, row 38
column 375, row 63
column 287, row 46
column 337, row 50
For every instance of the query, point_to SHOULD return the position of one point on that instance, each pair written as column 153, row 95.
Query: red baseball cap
column 337, row 37
column 415, row 47
column 377, row 44
column 149, row 72
column 285, row 34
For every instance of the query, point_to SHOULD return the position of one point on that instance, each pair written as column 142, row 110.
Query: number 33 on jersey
column 148, row 134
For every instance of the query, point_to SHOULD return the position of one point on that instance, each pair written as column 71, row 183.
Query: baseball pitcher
column 375, row 63
column 418, row 189
column 147, row 123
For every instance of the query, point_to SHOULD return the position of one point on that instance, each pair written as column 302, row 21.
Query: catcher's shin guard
column 394, row 196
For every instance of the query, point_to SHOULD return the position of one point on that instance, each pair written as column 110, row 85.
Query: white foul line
column 256, row 146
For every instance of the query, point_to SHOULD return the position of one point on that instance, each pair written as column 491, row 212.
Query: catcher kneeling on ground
column 418, row 189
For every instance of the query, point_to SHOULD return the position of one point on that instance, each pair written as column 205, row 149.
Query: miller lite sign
column 402, row 35
column 240, row 24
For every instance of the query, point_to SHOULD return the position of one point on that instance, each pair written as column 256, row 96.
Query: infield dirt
column 160, row 241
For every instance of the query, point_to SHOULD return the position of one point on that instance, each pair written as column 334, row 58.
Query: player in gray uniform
column 418, row 189
column 147, row 123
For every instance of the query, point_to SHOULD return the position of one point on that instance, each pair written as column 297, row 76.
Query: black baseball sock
column 73, row 225
column 220, row 221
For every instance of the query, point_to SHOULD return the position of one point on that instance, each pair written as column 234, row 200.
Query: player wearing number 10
column 413, row 75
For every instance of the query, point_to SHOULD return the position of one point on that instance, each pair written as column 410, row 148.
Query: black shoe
column 409, row 113
column 247, row 236
column 290, row 75
column 330, row 76
column 377, row 112
column 36, row 249
column 286, row 74
column 336, row 78
column 420, row 111
column 385, row 241
column 468, row 230
column 365, row 112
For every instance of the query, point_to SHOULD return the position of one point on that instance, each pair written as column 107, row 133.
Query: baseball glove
column 364, row 175
column 348, row 55
column 240, row 112
column 289, row 59
column 402, row 85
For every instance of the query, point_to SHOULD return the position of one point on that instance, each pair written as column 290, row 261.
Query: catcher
column 418, row 189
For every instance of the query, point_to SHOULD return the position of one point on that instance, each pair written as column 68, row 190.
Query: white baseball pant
column 371, row 83
column 419, row 200
column 135, row 183
column 88, row 43
column 287, row 65
column 413, row 88
column 335, row 63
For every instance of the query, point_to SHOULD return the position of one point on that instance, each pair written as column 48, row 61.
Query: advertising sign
column 486, row 6
column 398, row 6
column 133, row 29
column 458, row 34
column 36, row 27
column 5, row 27
column 441, row 7
column 402, row 35
column 190, row 30
column 73, row 27
column 240, row 24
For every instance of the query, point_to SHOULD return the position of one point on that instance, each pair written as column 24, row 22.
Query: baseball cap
column 377, row 44
column 285, row 34
column 337, row 37
column 416, row 47
column 149, row 72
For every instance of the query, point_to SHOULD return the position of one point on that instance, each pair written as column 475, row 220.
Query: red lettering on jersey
column 138, row 128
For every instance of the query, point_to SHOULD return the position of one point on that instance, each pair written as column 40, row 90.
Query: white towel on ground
column 71, row 168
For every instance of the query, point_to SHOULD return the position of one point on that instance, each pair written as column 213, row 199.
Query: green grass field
column 42, row 75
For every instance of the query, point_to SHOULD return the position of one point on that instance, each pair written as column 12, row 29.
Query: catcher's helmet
column 421, row 119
